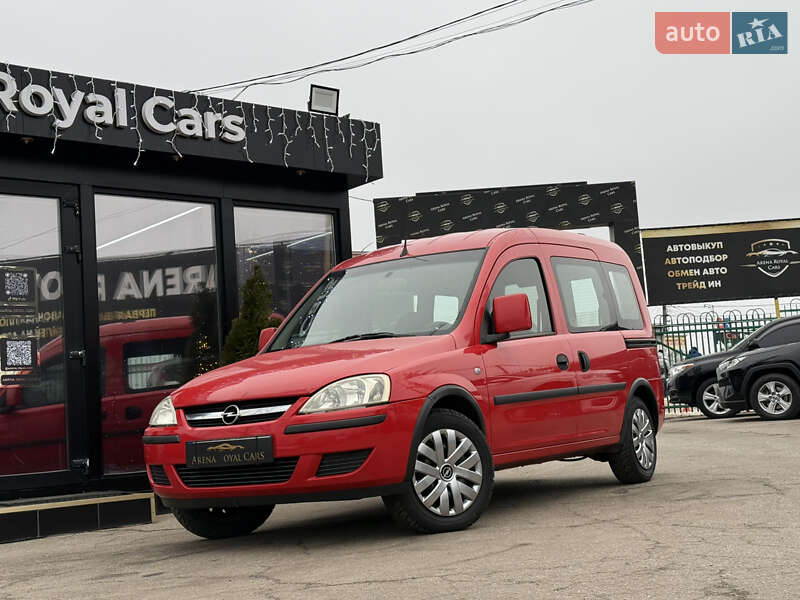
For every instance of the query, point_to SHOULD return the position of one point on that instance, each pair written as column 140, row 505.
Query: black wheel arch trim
column 757, row 371
column 430, row 402
column 638, row 384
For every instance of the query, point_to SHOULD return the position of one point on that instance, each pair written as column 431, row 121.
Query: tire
column 635, row 461
column 456, row 490
column 707, row 400
column 218, row 523
column 775, row 396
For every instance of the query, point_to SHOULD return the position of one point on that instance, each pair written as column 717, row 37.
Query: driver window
column 524, row 276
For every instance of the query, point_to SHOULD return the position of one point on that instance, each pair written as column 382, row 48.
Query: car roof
column 484, row 238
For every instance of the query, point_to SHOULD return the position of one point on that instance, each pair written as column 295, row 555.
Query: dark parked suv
column 694, row 382
column 766, row 380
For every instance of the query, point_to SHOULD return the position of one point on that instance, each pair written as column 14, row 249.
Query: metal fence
column 709, row 332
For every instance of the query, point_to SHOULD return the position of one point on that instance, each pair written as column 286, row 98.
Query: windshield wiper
column 366, row 336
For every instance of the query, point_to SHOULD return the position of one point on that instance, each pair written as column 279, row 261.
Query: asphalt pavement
column 720, row 520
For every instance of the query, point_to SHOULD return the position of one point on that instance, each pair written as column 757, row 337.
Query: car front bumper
column 365, row 452
column 729, row 394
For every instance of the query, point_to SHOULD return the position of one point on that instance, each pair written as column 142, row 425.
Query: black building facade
column 130, row 217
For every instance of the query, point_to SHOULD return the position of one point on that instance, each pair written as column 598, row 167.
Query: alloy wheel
column 711, row 397
column 448, row 473
column 775, row 397
column 643, row 438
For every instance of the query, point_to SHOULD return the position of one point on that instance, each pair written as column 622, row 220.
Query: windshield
column 415, row 295
column 746, row 341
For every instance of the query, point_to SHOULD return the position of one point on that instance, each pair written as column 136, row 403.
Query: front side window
column 630, row 316
column 585, row 296
column 788, row 334
column 524, row 277
column 411, row 296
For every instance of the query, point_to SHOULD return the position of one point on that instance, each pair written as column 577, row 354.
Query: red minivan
column 413, row 373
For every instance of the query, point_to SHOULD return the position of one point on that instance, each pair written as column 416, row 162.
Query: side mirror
column 511, row 313
column 265, row 336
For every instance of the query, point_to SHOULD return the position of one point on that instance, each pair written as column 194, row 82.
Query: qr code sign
column 17, row 284
column 18, row 354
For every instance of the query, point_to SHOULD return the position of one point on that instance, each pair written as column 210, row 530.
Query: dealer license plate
column 229, row 453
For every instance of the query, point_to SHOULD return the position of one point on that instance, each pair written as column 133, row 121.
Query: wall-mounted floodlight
column 324, row 100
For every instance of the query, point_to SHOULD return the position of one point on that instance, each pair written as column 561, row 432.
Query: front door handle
column 562, row 361
column 583, row 360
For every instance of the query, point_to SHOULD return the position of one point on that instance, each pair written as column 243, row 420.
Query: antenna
column 404, row 251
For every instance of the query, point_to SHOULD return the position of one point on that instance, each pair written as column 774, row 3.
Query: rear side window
column 523, row 276
column 155, row 364
column 587, row 305
column 630, row 316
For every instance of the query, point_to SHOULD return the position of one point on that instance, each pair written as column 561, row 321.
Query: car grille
column 159, row 475
column 342, row 462
column 251, row 411
column 278, row 471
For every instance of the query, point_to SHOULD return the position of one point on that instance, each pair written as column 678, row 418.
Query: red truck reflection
column 140, row 362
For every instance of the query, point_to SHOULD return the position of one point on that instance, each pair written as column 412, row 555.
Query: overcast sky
column 580, row 94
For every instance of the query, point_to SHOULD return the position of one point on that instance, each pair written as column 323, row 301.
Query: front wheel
column 217, row 523
column 775, row 396
column 635, row 461
column 708, row 401
column 452, row 478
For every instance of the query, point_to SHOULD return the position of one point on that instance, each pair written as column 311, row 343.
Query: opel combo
column 414, row 373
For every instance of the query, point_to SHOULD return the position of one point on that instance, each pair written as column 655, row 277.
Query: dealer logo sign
column 722, row 32
column 772, row 256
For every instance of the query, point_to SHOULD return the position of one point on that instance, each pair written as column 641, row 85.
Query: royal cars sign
column 64, row 107
column 722, row 262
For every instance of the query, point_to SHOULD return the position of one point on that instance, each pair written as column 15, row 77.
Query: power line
column 336, row 64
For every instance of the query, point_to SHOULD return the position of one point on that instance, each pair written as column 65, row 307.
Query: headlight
column 163, row 414
column 730, row 363
column 353, row 392
column 678, row 369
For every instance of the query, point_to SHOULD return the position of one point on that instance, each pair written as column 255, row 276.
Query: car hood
column 302, row 371
column 709, row 359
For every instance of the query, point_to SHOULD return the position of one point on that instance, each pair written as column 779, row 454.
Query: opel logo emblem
column 230, row 415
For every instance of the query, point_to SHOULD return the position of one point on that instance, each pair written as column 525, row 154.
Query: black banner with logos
column 557, row 206
column 734, row 261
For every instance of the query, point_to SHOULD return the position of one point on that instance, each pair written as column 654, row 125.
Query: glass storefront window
column 293, row 250
column 32, row 373
column 159, row 325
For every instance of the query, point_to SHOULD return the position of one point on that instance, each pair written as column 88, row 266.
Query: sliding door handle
column 562, row 361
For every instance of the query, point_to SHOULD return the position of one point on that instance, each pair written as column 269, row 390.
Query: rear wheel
column 452, row 478
column 708, row 401
column 635, row 461
column 221, row 522
column 775, row 396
